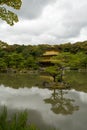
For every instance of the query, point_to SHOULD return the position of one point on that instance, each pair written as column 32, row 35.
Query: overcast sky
column 47, row 21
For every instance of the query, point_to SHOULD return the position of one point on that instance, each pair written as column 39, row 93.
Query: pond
column 60, row 109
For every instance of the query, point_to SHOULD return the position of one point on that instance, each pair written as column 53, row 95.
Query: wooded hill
column 27, row 57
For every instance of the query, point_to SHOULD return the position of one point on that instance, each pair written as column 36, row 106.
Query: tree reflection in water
column 60, row 104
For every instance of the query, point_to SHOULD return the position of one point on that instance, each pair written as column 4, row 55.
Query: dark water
column 60, row 109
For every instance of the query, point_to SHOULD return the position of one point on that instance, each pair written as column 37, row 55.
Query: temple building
column 46, row 59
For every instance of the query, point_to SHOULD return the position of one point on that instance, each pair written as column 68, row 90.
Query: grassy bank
column 17, row 122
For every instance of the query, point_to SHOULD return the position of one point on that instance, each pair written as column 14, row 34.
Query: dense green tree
column 66, row 47
column 82, row 59
column 8, row 60
column 30, row 62
column 35, row 51
column 2, row 53
column 73, row 61
column 21, row 56
column 14, row 60
column 17, row 60
column 3, row 44
column 2, row 64
column 62, row 59
column 7, row 15
column 53, row 71
column 75, row 48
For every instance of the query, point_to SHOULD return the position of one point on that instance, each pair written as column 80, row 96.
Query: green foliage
column 17, row 122
column 27, row 57
column 31, row 62
column 53, row 71
column 14, row 60
column 78, row 60
column 2, row 64
column 65, row 47
column 62, row 59
column 74, row 61
column 8, row 15
column 3, row 119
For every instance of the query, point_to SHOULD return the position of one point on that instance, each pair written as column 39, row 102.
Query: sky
column 47, row 22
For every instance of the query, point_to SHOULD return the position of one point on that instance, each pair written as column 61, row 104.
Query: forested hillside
column 21, row 57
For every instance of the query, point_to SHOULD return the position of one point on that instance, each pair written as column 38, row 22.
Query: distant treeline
column 27, row 56
column 39, row 49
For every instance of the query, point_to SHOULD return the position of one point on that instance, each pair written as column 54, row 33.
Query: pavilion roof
column 49, row 53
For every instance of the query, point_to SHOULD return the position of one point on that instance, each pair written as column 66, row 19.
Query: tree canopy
column 9, row 16
column 29, row 57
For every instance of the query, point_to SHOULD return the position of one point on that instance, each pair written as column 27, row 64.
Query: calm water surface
column 60, row 109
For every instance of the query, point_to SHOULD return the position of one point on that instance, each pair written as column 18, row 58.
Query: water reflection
column 21, row 80
column 78, row 80
column 47, row 108
column 61, row 109
column 60, row 104
column 31, row 99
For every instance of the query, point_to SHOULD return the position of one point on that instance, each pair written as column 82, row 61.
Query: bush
column 18, row 122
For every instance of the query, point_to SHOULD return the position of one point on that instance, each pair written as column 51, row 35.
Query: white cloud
column 50, row 22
